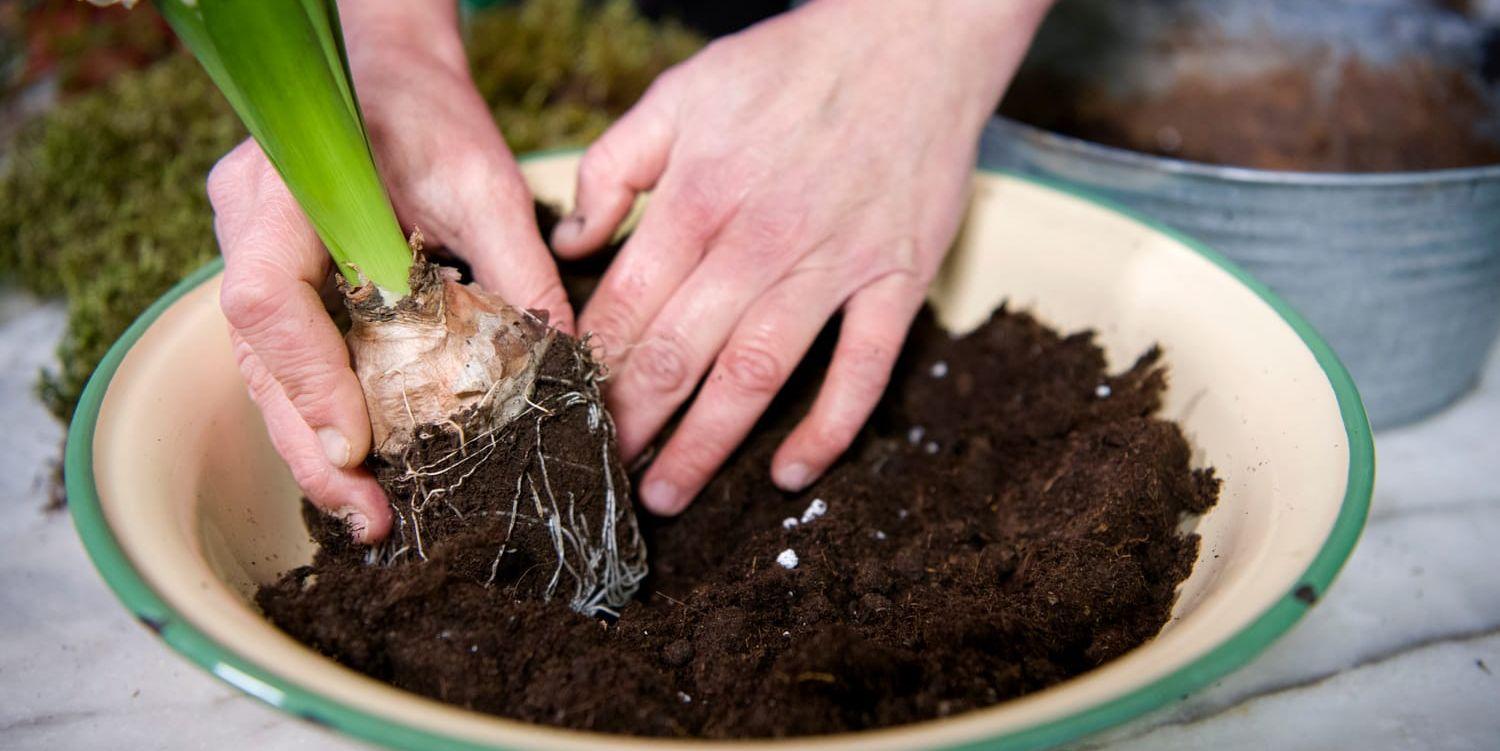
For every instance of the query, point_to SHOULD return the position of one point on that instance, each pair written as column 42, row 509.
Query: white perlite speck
column 789, row 522
column 931, row 447
column 684, row 697
column 1103, row 391
column 939, row 369
column 879, row 535
column 914, row 435
column 787, row 558
column 814, row 510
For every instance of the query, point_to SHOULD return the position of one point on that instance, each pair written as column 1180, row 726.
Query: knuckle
column 598, row 164
column 693, row 457
column 721, row 48
column 660, row 365
column 609, row 326
column 906, row 259
column 753, row 370
column 260, row 385
column 311, row 390
column 221, row 184
column 775, row 226
column 250, row 301
column 632, row 283
column 668, row 81
column 696, row 207
column 313, row 475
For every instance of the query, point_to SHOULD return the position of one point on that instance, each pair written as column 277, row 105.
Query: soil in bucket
column 1355, row 116
column 1007, row 520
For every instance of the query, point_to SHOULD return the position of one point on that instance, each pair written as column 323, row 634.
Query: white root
column 595, row 569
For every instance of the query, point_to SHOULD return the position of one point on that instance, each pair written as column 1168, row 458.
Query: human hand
column 815, row 162
column 448, row 172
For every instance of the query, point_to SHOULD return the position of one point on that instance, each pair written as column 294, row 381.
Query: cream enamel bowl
column 185, row 508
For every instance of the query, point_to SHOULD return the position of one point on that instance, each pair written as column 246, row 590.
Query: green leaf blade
column 283, row 70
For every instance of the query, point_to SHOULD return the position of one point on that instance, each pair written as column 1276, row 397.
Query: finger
column 876, row 320
column 461, row 187
column 680, row 344
column 351, row 494
column 273, row 267
column 655, row 261
column 232, row 185
column 621, row 164
column 500, row 240
column 756, row 362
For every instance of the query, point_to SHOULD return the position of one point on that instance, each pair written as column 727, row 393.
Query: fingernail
column 335, row 446
column 660, row 496
column 793, row 477
column 356, row 522
column 568, row 230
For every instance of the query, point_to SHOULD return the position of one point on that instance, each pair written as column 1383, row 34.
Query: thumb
column 351, row 494
column 273, row 268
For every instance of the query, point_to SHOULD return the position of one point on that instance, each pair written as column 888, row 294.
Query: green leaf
column 283, row 68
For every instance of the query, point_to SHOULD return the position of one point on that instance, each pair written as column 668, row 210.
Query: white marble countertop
column 1403, row 652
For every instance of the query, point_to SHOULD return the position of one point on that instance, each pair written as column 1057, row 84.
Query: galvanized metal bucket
column 1399, row 271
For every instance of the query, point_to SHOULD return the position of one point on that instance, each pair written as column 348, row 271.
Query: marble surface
column 1403, row 652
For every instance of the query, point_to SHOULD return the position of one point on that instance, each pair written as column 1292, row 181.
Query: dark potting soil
column 1408, row 116
column 1007, row 520
column 537, row 509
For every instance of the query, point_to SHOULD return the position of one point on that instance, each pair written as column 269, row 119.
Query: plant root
column 562, row 528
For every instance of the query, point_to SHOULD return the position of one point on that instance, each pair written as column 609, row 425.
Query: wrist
column 385, row 30
column 989, row 23
column 985, row 41
column 976, row 44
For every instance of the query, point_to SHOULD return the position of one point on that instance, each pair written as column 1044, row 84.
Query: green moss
column 557, row 72
column 102, row 200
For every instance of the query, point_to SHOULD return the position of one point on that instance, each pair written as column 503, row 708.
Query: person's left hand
column 815, row 162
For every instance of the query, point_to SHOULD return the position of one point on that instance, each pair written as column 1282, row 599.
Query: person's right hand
column 449, row 173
